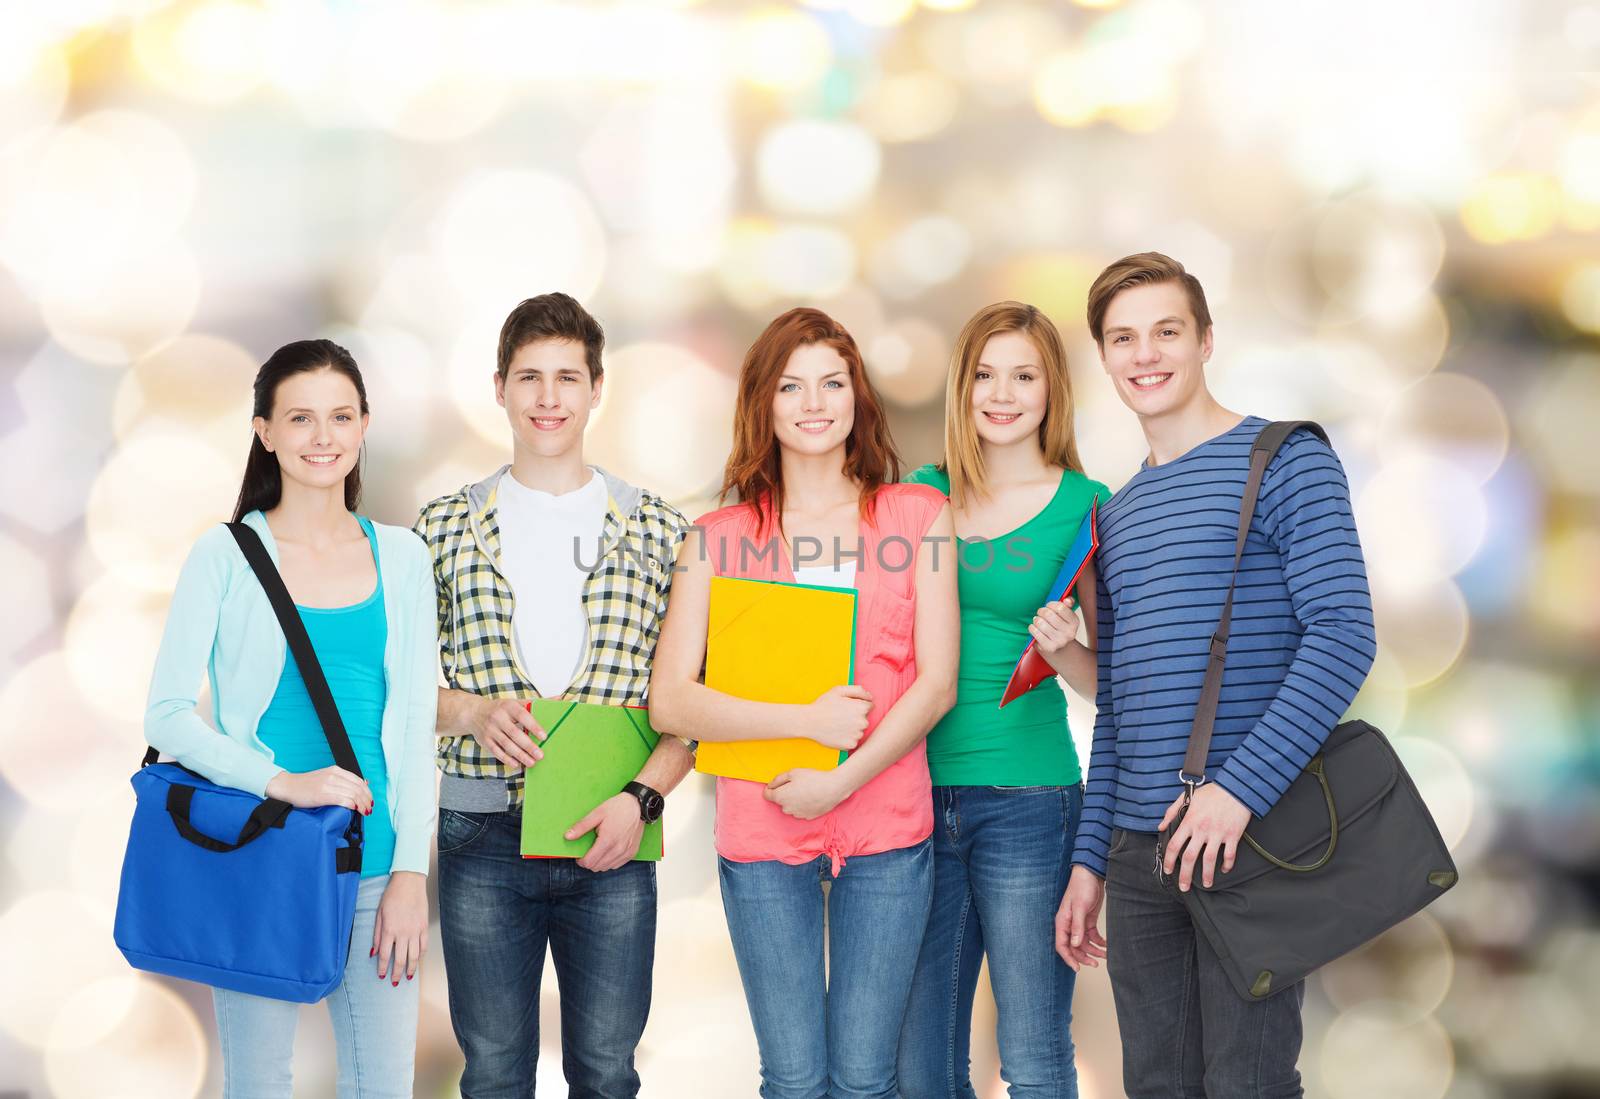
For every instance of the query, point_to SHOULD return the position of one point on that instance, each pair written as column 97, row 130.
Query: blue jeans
column 827, row 1028
column 1002, row 857
column 374, row 1026
column 497, row 913
column 1185, row 1032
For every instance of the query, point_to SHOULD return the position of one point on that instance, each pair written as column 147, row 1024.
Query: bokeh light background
column 1394, row 207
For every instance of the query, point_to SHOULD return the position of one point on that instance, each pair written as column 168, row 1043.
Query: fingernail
column 397, row 984
column 373, row 953
column 410, row 975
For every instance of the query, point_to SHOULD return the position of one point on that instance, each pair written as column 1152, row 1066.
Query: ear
column 599, row 383
column 1205, row 345
column 499, row 389
column 259, row 426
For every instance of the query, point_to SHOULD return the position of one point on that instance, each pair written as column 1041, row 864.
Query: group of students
column 860, row 901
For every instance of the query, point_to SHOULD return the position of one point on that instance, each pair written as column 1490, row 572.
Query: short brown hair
column 963, row 455
column 551, row 317
column 755, row 470
column 1144, row 269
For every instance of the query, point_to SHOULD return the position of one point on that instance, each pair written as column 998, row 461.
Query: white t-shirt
column 842, row 575
column 543, row 539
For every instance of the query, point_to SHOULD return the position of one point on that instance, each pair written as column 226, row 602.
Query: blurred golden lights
column 1391, row 243
column 814, row 167
column 780, row 49
column 1511, row 207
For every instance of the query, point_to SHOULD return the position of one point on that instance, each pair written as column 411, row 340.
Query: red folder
column 1032, row 669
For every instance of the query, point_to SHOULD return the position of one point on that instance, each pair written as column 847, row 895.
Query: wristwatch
column 650, row 801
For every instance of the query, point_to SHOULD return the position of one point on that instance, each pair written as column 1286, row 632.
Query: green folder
column 590, row 753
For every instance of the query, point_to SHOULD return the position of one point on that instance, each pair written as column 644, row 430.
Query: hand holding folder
column 775, row 642
column 1032, row 668
column 590, row 753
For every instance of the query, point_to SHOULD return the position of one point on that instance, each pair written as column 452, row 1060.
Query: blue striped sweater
column 1301, row 644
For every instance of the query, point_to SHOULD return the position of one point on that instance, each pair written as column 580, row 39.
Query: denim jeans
column 1185, row 1031
column 497, row 913
column 828, row 1028
column 374, row 1026
column 1001, row 859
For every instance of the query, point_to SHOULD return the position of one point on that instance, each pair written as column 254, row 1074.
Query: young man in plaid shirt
column 553, row 578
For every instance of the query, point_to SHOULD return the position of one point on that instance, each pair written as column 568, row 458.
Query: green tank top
column 1002, row 583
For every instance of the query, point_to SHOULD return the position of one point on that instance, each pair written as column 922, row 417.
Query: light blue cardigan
column 220, row 620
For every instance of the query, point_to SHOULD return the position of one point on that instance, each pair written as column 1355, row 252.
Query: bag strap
column 1267, row 443
column 294, row 631
column 305, row 657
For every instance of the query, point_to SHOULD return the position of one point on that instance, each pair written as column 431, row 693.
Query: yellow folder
column 776, row 642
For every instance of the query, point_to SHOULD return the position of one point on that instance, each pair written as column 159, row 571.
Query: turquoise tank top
column 349, row 643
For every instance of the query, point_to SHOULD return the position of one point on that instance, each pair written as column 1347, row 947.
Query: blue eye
column 835, row 384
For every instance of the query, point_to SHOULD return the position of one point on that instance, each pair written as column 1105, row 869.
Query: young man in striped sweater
column 1301, row 645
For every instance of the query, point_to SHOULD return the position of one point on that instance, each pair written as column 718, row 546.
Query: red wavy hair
column 754, row 470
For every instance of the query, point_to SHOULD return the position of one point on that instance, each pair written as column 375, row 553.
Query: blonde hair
column 963, row 454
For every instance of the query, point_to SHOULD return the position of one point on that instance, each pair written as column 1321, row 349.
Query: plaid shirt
column 624, row 600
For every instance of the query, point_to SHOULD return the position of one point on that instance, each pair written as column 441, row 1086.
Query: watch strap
column 644, row 794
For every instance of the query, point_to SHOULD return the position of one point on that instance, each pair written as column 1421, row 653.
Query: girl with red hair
column 813, row 464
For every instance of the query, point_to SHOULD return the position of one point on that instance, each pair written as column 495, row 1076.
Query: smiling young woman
column 365, row 594
column 1006, row 782
column 812, row 460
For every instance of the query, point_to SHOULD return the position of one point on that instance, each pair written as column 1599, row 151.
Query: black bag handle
column 269, row 814
column 1271, row 438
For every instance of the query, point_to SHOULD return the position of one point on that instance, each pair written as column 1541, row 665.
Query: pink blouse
column 895, row 809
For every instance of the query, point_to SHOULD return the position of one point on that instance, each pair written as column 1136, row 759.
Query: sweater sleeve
column 416, row 807
column 171, row 723
column 1306, row 516
column 1093, row 846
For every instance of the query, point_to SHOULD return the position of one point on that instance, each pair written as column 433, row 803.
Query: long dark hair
column 263, row 479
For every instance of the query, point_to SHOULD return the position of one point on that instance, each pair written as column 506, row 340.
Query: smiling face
column 548, row 396
column 315, row 429
column 1152, row 348
column 814, row 408
column 1010, row 393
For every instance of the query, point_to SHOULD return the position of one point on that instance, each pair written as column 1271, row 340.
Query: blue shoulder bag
column 235, row 891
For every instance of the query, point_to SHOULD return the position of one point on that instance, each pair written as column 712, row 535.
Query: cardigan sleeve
column 171, row 723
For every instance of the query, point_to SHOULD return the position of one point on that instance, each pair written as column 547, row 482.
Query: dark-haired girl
column 365, row 593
